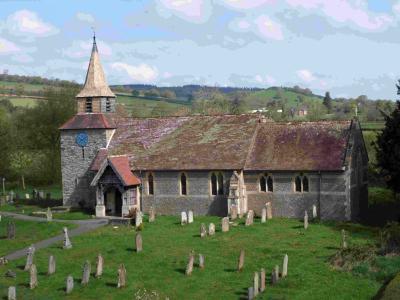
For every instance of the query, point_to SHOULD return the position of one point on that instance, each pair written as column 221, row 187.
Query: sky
column 348, row 48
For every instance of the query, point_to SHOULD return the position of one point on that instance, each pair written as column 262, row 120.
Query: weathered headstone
column 201, row 261
column 99, row 266
column 276, row 270
column 250, row 293
column 203, row 230
column 86, row 273
column 69, row 284
column 344, row 239
column 183, row 218
column 264, row 215
column 41, row 195
column 234, row 212
column 262, row 280
column 29, row 257
column 211, row 229
column 305, row 220
column 27, row 196
column 33, row 282
column 314, row 212
column 274, row 279
column 269, row 210
column 241, row 261
column 285, row 265
column 190, row 216
column 52, row 265
column 12, row 293
column 225, row 224
column 121, row 276
column 189, row 266
column 11, row 274
column 250, row 218
column 138, row 219
column 67, row 243
column 152, row 214
column 49, row 215
column 11, row 230
column 139, row 242
column 256, row 283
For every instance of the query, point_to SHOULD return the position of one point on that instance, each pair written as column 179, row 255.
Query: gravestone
column 11, row 230
column 138, row 218
column 12, row 293
column 52, row 265
column 41, row 195
column 29, row 257
column 225, row 224
column 305, row 220
column 152, row 214
column 86, row 273
column 276, row 271
column 11, row 274
column 344, row 239
column 203, row 230
column 250, row 218
column 121, row 276
column 269, row 210
column 189, row 266
column 234, row 212
column 33, row 282
column 69, row 284
column 241, row 261
column 49, row 215
column 264, row 215
column 99, row 266
column 314, row 212
column 211, row 229
column 274, row 279
column 250, row 293
column 285, row 266
column 262, row 280
column 67, row 243
column 201, row 261
column 139, row 242
column 27, row 196
column 190, row 217
column 256, row 283
column 183, row 218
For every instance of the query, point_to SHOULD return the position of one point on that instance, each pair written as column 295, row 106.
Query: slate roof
column 89, row 121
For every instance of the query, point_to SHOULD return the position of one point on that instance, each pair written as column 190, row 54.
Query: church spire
column 95, row 83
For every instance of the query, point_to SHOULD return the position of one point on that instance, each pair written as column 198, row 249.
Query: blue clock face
column 82, row 139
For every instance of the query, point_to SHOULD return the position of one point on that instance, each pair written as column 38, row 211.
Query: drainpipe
column 319, row 194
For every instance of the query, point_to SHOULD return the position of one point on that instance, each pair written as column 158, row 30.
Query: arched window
column 183, row 184
column 270, row 184
column 301, row 184
column 150, row 184
column 297, row 184
column 213, row 184
column 263, row 184
column 220, row 184
column 89, row 105
column 305, row 184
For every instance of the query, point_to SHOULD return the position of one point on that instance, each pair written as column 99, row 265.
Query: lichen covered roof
column 89, row 121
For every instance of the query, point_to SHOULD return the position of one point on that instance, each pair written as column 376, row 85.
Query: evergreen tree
column 388, row 149
column 328, row 102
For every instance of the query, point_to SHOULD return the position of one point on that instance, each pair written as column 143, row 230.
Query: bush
column 378, row 195
column 391, row 238
column 354, row 257
column 392, row 290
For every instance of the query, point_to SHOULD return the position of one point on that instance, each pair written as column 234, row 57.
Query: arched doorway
column 113, row 202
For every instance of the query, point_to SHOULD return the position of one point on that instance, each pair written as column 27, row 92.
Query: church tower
column 90, row 130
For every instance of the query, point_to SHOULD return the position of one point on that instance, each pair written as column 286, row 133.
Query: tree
column 20, row 89
column 328, row 102
column 20, row 162
column 168, row 94
column 135, row 93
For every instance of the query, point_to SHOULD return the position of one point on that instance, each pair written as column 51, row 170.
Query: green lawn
column 26, row 233
column 160, row 267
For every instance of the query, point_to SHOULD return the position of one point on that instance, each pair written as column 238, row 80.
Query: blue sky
column 348, row 47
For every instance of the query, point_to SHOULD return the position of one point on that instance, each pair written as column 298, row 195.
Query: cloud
column 141, row 73
column 305, row 75
column 196, row 11
column 80, row 49
column 269, row 80
column 268, row 28
column 85, row 17
column 27, row 23
column 247, row 4
column 7, row 47
column 22, row 58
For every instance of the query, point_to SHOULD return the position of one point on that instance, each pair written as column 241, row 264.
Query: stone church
column 207, row 163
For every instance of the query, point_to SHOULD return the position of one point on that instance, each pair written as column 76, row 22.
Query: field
column 160, row 267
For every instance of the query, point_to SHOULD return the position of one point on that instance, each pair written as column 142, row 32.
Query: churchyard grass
column 26, row 233
column 160, row 267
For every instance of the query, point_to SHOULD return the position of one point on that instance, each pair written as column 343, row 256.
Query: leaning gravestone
column 189, row 266
column 49, row 215
column 241, row 261
column 33, row 282
column 211, row 229
column 269, row 210
column 285, row 266
column 201, row 261
column 203, row 230
column 305, row 220
column 86, row 273
column 121, row 276
column 234, row 212
column 256, row 283
column 225, row 224
column 67, row 243
column 183, row 218
column 52, row 265
column 264, row 215
column 139, row 242
column 249, row 218
column 99, row 266
column 69, row 284
column 190, row 217
column 12, row 293
column 11, row 230
column 29, row 258
column 152, row 214
column 138, row 219
column 262, row 280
